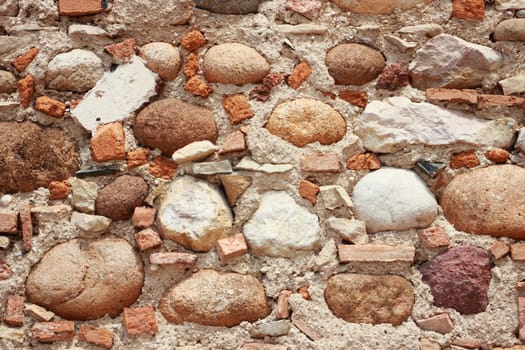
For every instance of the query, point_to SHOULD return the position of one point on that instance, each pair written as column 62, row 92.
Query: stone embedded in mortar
column 119, row 199
column 248, row 164
column 87, row 279
column 487, row 201
column 170, row 124
column 388, row 126
column 7, row 82
column 91, row 225
column 162, row 58
column 514, row 84
column 503, row 5
column 194, row 151
column 451, row 62
column 350, row 230
column 229, row 7
column 9, row 8
column 77, row 70
column 460, row 279
column 280, row 227
column 354, row 64
column 234, row 186
column 212, row 298
column 304, row 120
column 194, row 214
column 377, row 6
column 32, row 156
column 270, row 329
column 393, row 199
column 84, row 194
column 371, row 299
column 234, row 63
column 510, row 30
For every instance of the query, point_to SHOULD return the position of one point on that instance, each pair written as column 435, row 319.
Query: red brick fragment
column 521, row 318
column 49, row 332
column 26, row 90
column 231, row 247
column 50, row 106
column 191, row 67
column 309, row 191
column 108, row 143
column 281, row 309
column 59, row 189
column 499, row 249
column 320, row 162
column 163, row 168
column 452, row 95
column 14, row 311
column 193, row 40
column 467, row 159
column 468, row 9
column 433, row 237
column 488, row 101
column 234, row 142
column 140, row 320
column 124, row 51
column 27, row 228
column 143, row 217
column 173, row 258
column 137, row 157
column 357, row 98
column 438, row 323
column 5, row 271
column 80, row 8
column 364, row 161
column 300, row 73
column 517, row 251
column 147, row 239
column 262, row 92
column 22, row 61
column 498, row 155
column 468, row 343
column 8, row 222
column 393, row 77
column 97, row 336
column 198, row 86
column 237, row 108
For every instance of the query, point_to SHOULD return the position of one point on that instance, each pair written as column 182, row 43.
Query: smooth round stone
column 211, row 298
column 162, row 58
column 7, row 82
column 119, row 199
column 510, row 30
column 487, row 201
column 304, row 121
column 87, row 279
column 229, row 7
column 354, row 64
column 77, row 70
column 392, row 199
column 234, row 64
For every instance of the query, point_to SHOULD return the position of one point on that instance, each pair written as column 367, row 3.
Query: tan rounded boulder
column 487, row 201
column 510, row 30
column 234, row 63
column 214, row 298
column 87, row 279
column 354, row 64
column 303, row 121
column 162, row 58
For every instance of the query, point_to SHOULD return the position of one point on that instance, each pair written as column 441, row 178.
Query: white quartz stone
column 194, row 151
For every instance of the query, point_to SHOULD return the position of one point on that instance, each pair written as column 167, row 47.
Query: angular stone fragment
column 433, row 237
column 147, row 239
column 91, row 225
column 308, row 190
column 517, row 251
column 371, row 299
column 122, row 52
column 375, row 253
column 194, row 151
column 77, row 70
column 39, row 313
column 119, row 199
column 486, row 101
column 27, row 228
column 26, row 90
column 357, row 98
column 281, row 309
column 270, row 329
column 162, row 58
column 468, row 9
column 511, row 85
column 50, row 106
column 163, row 168
column 393, row 77
column 143, row 217
column 7, row 82
column 262, row 92
column 80, row 8
column 321, row 162
column 308, row 8
column 193, row 40
column 8, row 222
column 97, row 336
column 334, row 197
column 353, row 231
column 237, row 108
column 198, row 86
column 137, row 157
column 212, row 168
column 84, row 195
column 140, row 320
column 21, row 62
column 439, row 323
column 377, row 6
column 354, row 64
column 502, row 5
column 510, row 30
column 248, row 164
column 213, row 298
column 300, row 73
column 499, row 249
column 173, row 258
column 229, row 7
column 231, row 247
column 364, row 161
column 234, row 186
column 14, row 311
column 108, row 143
column 459, row 278
column 234, row 142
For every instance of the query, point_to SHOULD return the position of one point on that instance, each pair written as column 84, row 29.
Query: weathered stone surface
column 303, row 121
column 439, row 323
column 162, row 58
column 388, row 126
column 428, row 29
column 119, row 199
column 350, row 230
column 7, row 82
column 393, row 77
column 360, row 298
column 77, row 70
column 48, row 155
column 193, row 40
column 108, row 143
column 449, row 61
column 234, row 186
column 459, row 278
column 280, row 227
column 194, row 214
column 234, row 63
column 140, row 320
column 84, row 194
column 97, row 336
column 334, row 197
column 271, row 329
column 212, row 168
column 509, row 4
column 80, row 8
column 376, row 253
column 91, row 225
column 405, row 203
column 237, row 108
column 9, row 8
column 170, row 124
column 510, row 30
column 512, row 85
column 194, row 151
column 354, row 64
column 229, row 7
column 87, row 279
column 468, row 9
column 377, row 6
column 212, row 298
column 487, row 201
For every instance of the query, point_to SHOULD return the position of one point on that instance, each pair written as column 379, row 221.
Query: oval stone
column 510, row 30
column 87, row 279
column 170, row 124
column 371, row 299
column 303, row 121
column 162, row 58
column 119, row 199
column 229, row 7
column 213, row 298
column 377, row 6
column 234, row 64
column 487, row 201
column 354, row 64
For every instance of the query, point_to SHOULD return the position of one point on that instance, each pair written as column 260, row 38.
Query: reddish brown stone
column 468, row 343
column 191, row 67
column 119, row 199
column 452, row 95
column 140, row 320
column 163, row 168
column 108, row 143
column 459, row 278
column 14, row 311
column 234, row 142
column 305, row 293
column 193, row 40
column 364, row 161
column 393, row 77
column 521, row 318
column 300, row 73
column 499, row 249
column 8, row 222
column 434, row 237
column 237, row 108
column 143, row 217
column 357, row 98
column 468, row 9
column 198, row 86
column 122, row 52
column 97, row 336
column 50, row 106
column 147, row 239
column 49, row 332
column 439, row 323
column 321, row 162
column 22, row 61
column 308, row 190
column 467, row 159
column 173, row 258
column 262, row 92
column 281, row 309
column 487, row 101
column 231, row 247
column 27, row 227
column 80, row 8
column 5, row 271
column 498, row 155
column 26, row 90
column 137, row 157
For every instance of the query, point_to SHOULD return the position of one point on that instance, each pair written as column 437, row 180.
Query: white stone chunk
column 91, row 225
column 248, row 164
column 84, row 194
column 85, row 30
column 350, row 230
column 503, row 5
column 335, row 197
column 195, row 151
column 514, row 84
column 212, row 168
column 38, row 312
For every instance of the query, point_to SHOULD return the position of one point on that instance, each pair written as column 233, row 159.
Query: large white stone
column 280, row 227
column 391, row 199
column 194, row 214
column 388, row 126
column 510, row 4
column 84, row 194
column 116, row 95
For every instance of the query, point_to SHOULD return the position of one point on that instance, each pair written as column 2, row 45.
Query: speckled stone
column 229, row 7
column 162, row 58
column 7, row 82
column 119, row 199
column 354, row 64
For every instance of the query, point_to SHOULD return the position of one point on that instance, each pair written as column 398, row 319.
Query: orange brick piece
column 122, row 52
column 163, row 168
column 357, row 98
column 281, row 309
column 193, row 40
column 191, row 67
column 305, row 293
column 497, row 155
column 467, row 159
column 140, row 320
column 143, row 217
column 50, row 106
column 468, row 9
column 234, row 142
column 487, row 101
column 22, row 61
column 147, row 239
column 108, row 143
column 369, row 253
column 237, row 108
column 14, row 311
column 49, row 332
column 300, row 73
column 433, row 237
column 452, row 95
column 97, row 336
column 26, row 90
column 308, row 190
column 137, row 157
column 59, row 189
column 439, row 323
column 5, row 271
column 8, row 222
column 198, row 86
column 27, row 228
column 173, row 258
column 517, row 251
column 79, row 8
column 320, row 162
column 364, row 161
column 231, row 247
column 499, row 249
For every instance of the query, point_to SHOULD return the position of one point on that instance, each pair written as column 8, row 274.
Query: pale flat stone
column 335, row 197
column 212, row 168
column 91, row 225
column 116, row 95
column 78, row 30
column 12, row 334
column 84, row 194
column 350, row 230
column 280, row 227
column 248, row 164
column 195, row 151
column 503, row 5
column 271, row 329
column 514, row 84
column 375, row 253
column 39, row 313
column 302, row 29
column 400, row 44
column 428, row 29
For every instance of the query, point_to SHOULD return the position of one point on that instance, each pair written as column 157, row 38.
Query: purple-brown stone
column 393, row 77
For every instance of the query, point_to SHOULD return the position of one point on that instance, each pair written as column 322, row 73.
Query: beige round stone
column 487, row 201
column 162, row 58
column 87, row 279
column 354, row 64
column 234, row 64
column 510, row 30
column 214, row 298
column 7, row 82
column 371, row 299
column 303, row 121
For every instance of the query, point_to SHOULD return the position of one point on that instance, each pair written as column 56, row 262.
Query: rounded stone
column 170, row 124
column 119, row 199
column 487, row 201
column 214, row 298
column 354, row 64
column 392, row 199
column 230, row 7
column 32, row 156
column 371, row 299
column 303, row 121
column 77, row 70
column 234, row 64
column 87, row 279
column 194, row 214
column 162, row 58
column 7, row 82
column 510, row 30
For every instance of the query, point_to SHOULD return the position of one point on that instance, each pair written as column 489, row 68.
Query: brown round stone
column 119, row 199
column 354, row 64
column 162, row 58
column 170, row 124
column 87, row 279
